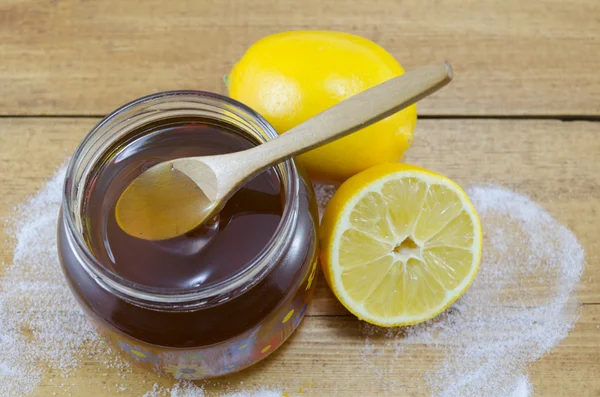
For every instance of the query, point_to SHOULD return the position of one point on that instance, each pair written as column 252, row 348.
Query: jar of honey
column 210, row 302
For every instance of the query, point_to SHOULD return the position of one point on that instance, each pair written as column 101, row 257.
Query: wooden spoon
column 176, row 196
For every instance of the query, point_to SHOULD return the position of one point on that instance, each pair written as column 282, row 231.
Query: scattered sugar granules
column 35, row 303
column 523, row 387
column 190, row 389
column 42, row 327
column 516, row 310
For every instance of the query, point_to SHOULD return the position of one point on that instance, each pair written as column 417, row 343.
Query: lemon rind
column 343, row 223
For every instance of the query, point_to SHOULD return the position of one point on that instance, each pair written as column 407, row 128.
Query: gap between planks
column 580, row 117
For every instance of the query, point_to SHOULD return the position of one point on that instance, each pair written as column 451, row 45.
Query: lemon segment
column 400, row 244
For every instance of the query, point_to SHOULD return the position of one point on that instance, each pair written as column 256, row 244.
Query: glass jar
column 202, row 331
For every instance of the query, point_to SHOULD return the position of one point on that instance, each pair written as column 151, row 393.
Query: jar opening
column 122, row 126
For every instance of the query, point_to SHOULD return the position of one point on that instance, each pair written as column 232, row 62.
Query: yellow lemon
column 291, row 77
column 399, row 244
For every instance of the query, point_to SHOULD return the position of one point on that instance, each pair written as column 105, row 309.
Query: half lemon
column 399, row 244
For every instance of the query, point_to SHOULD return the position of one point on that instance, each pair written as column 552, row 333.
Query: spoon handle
column 354, row 113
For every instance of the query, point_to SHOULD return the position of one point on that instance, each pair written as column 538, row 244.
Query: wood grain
column 511, row 57
column 552, row 161
column 327, row 356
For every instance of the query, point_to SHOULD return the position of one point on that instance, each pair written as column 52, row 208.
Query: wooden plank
column 553, row 162
column 328, row 356
column 511, row 57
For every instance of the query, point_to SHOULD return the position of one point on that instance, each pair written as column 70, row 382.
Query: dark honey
column 211, row 253
column 207, row 303
column 231, row 332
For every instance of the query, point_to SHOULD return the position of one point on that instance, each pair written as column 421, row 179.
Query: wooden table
column 523, row 111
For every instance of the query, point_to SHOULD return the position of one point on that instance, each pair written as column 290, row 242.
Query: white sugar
column 187, row 389
column 190, row 389
column 522, row 388
column 517, row 309
column 157, row 391
column 35, row 303
column 323, row 194
column 42, row 326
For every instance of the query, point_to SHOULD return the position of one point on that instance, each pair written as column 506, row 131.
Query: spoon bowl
column 151, row 207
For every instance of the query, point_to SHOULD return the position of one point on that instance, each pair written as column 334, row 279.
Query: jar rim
column 186, row 297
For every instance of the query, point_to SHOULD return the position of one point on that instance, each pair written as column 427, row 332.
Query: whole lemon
column 290, row 77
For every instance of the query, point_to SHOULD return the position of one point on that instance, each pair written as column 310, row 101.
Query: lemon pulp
column 400, row 244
